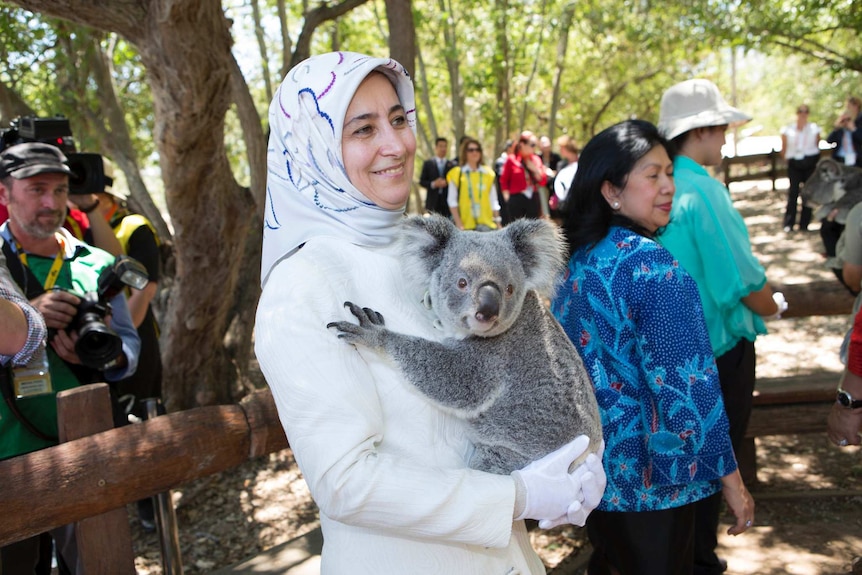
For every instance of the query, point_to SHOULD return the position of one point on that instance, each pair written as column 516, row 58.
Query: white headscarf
column 308, row 193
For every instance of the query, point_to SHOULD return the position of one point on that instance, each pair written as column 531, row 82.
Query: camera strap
column 23, row 276
column 54, row 272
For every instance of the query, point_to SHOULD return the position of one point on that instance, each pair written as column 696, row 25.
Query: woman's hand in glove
column 781, row 303
column 554, row 496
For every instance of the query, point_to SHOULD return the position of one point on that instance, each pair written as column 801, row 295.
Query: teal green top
column 708, row 237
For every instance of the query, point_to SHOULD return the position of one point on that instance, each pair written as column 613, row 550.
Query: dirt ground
column 809, row 493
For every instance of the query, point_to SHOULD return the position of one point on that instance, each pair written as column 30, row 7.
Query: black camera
column 88, row 172
column 98, row 346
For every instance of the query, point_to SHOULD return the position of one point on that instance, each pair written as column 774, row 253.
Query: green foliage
column 622, row 54
column 28, row 45
column 45, row 61
column 825, row 31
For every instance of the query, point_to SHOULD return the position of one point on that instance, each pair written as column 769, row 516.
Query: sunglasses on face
column 473, row 150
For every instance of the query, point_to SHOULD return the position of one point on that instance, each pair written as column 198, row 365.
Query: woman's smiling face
column 377, row 144
column 647, row 196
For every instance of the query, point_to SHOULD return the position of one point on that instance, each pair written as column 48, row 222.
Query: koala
column 505, row 365
column 833, row 186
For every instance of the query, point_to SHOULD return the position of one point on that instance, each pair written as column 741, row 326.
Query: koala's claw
column 365, row 315
column 370, row 322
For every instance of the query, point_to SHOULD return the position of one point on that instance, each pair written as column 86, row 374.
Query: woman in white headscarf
column 388, row 470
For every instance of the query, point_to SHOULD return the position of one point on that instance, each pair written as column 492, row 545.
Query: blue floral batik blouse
column 635, row 317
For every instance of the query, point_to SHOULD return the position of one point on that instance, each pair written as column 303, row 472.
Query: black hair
column 440, row 139
column 609, row 156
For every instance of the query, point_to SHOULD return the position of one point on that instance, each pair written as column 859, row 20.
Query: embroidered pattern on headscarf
column 308, row 193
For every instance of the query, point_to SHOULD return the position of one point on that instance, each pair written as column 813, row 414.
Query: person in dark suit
column 847, row 137
column 433, row 179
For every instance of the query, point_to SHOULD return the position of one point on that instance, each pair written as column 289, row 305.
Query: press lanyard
column 54, row 272
column 474, row 200
column 76, row 227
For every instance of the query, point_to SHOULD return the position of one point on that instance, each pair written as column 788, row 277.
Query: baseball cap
column 31, row 159
column 695, row 104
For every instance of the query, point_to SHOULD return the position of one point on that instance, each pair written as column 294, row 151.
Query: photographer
column 51, row 267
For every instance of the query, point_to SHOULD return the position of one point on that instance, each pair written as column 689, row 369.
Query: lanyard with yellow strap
column 34, row 379
column 54, row 272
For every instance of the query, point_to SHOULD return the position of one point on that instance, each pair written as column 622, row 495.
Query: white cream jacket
column 386, row 468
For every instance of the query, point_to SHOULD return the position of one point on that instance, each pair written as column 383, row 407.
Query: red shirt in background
column 854, row 352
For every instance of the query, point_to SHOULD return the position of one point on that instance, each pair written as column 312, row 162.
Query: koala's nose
column 488, row 299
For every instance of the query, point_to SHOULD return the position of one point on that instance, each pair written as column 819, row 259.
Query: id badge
column 33, row 379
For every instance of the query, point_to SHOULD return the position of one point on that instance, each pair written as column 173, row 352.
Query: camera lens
column 97, row 344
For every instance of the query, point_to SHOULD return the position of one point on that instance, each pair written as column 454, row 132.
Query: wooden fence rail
column 95, row 474
column 768, row 166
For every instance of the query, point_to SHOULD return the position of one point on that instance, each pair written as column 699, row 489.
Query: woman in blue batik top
column 636, row 318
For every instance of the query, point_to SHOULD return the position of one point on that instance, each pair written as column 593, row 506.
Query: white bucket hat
column 108, row 169
column 695, row 104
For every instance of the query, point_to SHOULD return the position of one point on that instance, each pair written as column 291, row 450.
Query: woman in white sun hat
column 709, row 239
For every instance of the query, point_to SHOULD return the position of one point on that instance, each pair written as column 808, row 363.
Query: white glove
column 593, row 482
column 552, row 493
column 779, row 300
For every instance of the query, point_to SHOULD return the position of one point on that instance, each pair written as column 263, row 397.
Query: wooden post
column 104, row 541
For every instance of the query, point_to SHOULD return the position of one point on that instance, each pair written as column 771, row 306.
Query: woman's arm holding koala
column 328, row 399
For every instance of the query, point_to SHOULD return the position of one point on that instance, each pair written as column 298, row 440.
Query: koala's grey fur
column 833, row 186
column 508, row 367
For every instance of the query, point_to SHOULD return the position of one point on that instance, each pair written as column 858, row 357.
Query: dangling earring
column 615, row 205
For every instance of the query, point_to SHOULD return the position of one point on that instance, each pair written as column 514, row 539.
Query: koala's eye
column 462, row 283
column 510, row 289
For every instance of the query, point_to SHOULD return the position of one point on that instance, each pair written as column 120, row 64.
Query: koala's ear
column 423, row 242
column 542, row 250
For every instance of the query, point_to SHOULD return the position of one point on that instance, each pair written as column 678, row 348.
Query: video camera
column 88, row 172
column 98, row 346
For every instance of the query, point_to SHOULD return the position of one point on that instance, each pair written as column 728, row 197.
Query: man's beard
column 37, row 229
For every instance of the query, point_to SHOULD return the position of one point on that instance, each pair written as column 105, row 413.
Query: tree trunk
column 538, row 43
column 286, row 44
column 241, row 316
column 210, row 211
column 502, row 72
column 453, row 66
column 191, row 92
column 424, row 92
column 562, row 48
column 402, row 33
column 111, row 124
column 11, row 106
column 261, row 46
